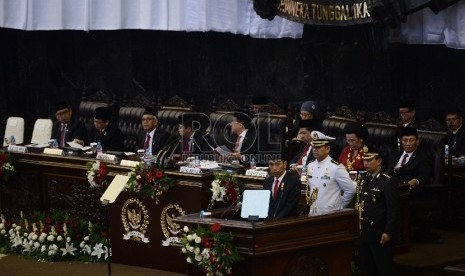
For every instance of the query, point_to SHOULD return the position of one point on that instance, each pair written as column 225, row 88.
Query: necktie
column 63, row 135
column 404, row 160
column 186, row 148
column 304, row 153
column 275, row 188
column 236, row 145
column 147, row 142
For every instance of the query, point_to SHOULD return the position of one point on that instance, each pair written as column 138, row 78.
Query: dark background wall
column 335, row 66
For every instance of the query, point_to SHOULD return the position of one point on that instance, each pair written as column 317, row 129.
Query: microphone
column 169, row 150
column 229, row 208
column 279, row 199
column 161, row 155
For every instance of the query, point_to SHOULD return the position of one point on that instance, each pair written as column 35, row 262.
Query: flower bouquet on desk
column 148, row 182
column 97, row 174
column 225, row 188
column 210, row 249
column 6, row 166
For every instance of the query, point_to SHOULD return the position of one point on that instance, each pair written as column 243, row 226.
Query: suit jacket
column 287, row 199
column 299, row 153
column 74, row 130
column 199, row 145
column 160, row 139
column 457, row 142
column 380, row 207
column 418, row 166
column 249, row 146
column 111, row 139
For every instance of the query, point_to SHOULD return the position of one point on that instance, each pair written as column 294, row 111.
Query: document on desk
column 223, row 150
column 78, row 146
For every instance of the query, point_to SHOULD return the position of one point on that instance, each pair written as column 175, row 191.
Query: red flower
column 2, row 159
column 207, row 242
column 158, row 174
column 215, row 227
column 47, row 220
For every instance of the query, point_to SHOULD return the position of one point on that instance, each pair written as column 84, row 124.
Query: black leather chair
column 86, row 113
column 219, row 128
column 131, row 126
column 271, row 131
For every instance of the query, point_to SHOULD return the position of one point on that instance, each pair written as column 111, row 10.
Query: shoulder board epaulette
column 386, row 175
column 334, row 161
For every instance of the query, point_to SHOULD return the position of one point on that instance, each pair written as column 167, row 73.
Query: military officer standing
column 379, row 218
column 329, row 185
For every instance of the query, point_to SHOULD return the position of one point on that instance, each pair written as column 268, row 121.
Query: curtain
column 234, row 16
column 424, row 27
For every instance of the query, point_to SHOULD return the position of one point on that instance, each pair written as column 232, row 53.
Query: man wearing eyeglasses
column 407, row 114
column 155, row 138
column 66, row 128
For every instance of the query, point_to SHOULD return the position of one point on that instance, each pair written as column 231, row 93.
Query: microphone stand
column 162, row 154
column 253, row 219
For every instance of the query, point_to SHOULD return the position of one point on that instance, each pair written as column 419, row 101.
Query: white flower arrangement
column 73, row 239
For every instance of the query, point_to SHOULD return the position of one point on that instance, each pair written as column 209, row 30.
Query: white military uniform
column 330, row 184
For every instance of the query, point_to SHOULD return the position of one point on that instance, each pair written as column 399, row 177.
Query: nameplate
column 53, row 151
column 190, row 170
column 14, row 148
column 129, row 163
column 106, row 157
column 256, row 173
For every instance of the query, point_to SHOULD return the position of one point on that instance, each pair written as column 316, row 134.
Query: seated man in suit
column 104, row 131
column 67, row 128
column 411, row 166
column 305, row 153
column 193, row 140
column 154, row 138
column 244, row 134
column 454, row 120
column 285, row 189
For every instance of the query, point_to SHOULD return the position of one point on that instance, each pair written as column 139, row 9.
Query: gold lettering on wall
column 313, row 12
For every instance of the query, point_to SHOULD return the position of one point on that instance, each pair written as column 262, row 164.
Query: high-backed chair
column 86, row 113
column 14, row 127
column 42, row 131
column 130, row 124
column 170, row 111
column 271, row 131
column 219, row 127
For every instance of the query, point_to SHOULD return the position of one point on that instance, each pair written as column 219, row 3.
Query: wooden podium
column 304, row 245
column 144, row 234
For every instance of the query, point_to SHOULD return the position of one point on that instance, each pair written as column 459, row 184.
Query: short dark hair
column 357, row 129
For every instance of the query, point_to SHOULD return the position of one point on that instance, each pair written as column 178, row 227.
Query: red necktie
column 62, row 135
column 404, row 160
column 147, row 142
column 304, row 153
column 275, row 188
column 236, row 145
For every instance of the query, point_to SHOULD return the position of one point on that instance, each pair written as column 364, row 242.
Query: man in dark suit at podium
column 285, row 189
column 155, row 137
column 67, row 128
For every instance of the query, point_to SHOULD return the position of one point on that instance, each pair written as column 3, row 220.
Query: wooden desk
column 317, row 245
